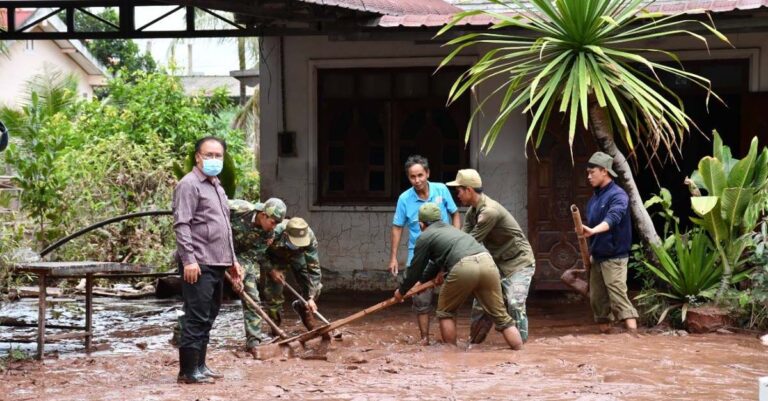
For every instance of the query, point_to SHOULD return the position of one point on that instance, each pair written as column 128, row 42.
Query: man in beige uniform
column 494, row 227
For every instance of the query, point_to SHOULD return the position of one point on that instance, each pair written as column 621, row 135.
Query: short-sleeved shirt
column 407, row 212
column 493, row 226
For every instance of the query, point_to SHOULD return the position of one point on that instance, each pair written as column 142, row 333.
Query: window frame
column 313, row 164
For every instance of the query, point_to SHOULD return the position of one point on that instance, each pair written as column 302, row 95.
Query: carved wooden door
column 555, row 181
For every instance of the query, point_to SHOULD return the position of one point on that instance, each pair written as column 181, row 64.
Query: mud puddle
column 379, row 359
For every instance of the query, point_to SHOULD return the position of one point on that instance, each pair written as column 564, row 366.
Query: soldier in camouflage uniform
column 493, row 226
column 294, row 249
column 253, row 227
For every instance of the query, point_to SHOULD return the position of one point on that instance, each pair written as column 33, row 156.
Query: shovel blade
column 572, row 279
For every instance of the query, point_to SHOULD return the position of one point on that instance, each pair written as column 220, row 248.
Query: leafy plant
column 689, row 269
column 115, row 54
column 577, row 60
column 42, row 126
column 730, row 208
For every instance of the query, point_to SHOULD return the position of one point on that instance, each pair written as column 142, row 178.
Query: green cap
column 429, row 212
column 600, row 159
column 298, row 232
column 275, row 208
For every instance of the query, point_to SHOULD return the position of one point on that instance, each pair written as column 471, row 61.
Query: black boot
column 188, row 373
column 203, row 368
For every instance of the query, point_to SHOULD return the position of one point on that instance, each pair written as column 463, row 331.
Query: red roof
column 392, row 7
column 689, row 6
column 21, row 17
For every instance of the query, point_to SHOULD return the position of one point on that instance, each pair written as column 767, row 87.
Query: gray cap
column 600, row 159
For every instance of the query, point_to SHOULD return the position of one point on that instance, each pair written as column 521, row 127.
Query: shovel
column 571, row 276
column 255, row 305
column 303, row 338
column 306, row 304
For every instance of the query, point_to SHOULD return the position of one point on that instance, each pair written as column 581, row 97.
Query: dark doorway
column 730, row 80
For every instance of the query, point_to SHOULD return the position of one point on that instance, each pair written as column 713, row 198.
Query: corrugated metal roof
column 392, row 7
column 665, row 6
column 671, row 5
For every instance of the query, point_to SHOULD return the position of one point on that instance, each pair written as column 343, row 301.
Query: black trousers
column 202, row 301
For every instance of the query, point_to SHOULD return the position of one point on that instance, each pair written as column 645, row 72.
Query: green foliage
column 115, row 54
column 570, row 54
column 664, row 200
column 113, row 156
column 42, row 126
column 689, row 269
column 735, row 191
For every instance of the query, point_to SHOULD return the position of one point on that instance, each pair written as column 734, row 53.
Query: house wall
column 24, row 63
column 354, row 241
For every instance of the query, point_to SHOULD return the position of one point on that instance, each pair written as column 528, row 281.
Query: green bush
column 82, row 162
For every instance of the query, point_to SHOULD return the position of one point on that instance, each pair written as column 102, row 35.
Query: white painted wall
column 27, row 60
column 354, row 241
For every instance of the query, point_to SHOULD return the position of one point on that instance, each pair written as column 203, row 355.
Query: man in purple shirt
column 204, row 251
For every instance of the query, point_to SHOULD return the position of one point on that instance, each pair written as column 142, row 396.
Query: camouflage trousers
column 274, row 297
column 514, row 287
column 251, row 319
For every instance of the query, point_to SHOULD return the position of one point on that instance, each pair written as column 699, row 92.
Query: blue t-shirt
column 407, row 211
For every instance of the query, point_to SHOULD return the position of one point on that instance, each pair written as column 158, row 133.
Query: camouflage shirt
column 304, row 261
column 250, row 240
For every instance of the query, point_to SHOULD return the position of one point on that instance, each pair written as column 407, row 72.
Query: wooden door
column 754, row 120
column 555, row 181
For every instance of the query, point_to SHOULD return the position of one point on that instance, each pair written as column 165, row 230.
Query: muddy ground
column 379, row 359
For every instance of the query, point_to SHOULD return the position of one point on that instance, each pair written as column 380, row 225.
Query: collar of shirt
column 202, row 177
column 601, row 191
column 430, row 198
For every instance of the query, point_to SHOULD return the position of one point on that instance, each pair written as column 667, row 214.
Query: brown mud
column 379, row 359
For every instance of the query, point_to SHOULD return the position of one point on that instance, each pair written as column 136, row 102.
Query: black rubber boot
column 188, row 373
column 203, row 368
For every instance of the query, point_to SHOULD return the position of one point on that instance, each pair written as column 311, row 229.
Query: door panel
column 555, row 181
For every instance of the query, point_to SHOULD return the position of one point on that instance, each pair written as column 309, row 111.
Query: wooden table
column 84, row 269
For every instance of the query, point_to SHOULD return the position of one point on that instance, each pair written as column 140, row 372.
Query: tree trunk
column 241, row 60
column 602, row 132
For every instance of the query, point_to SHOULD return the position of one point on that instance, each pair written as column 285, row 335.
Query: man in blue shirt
column 609, row 230
column 407, row 214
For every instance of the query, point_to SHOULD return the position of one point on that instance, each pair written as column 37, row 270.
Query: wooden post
column 41, row 316
column 88, row 311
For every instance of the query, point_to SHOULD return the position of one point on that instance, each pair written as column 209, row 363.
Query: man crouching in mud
column 470, row 271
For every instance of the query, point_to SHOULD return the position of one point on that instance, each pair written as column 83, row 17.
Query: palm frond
column 555, row 58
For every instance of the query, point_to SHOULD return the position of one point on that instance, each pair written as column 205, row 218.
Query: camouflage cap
column 240, row 205
column 275, row 208
column 429, row 212
column 600, row 159
column 298, row 232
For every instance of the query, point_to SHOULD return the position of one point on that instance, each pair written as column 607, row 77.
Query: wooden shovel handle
column 579, row 228
column 247, row 298
column 302, row 338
